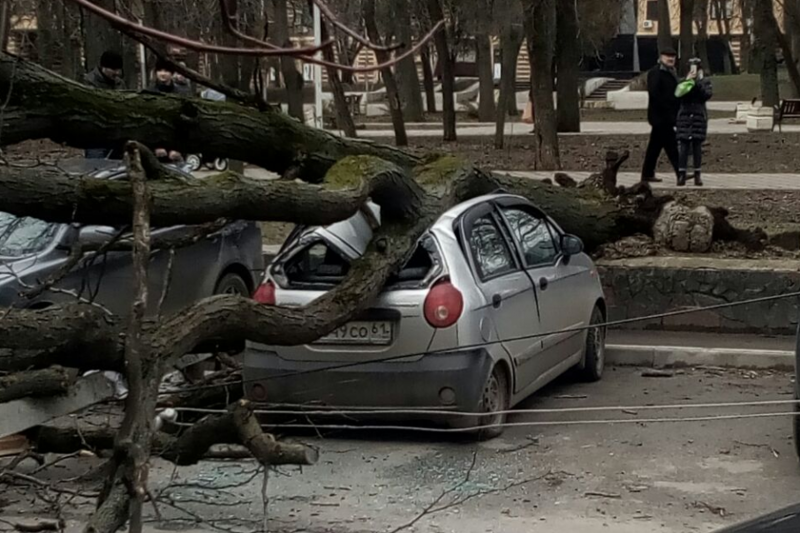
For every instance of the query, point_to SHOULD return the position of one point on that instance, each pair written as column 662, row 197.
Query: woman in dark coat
column 692, row 124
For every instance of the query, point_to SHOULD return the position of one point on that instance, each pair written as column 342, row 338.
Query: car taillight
column 443, row 305
column 265, row 293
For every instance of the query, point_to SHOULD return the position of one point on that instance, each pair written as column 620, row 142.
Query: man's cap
column 111, row 59
column 668, row 51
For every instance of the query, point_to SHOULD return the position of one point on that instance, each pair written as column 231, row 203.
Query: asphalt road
column 637, row 477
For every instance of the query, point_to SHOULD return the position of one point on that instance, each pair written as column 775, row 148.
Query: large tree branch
column 45, row 105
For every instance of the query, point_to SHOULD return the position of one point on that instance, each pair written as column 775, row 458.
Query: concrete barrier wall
column 645, row 286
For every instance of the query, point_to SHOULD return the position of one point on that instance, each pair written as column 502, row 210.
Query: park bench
column 788, row 109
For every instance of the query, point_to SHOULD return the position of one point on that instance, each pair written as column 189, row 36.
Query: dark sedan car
column 31, row 250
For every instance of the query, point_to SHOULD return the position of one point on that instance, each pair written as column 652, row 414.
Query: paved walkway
column 711, row 180
column 717, row 125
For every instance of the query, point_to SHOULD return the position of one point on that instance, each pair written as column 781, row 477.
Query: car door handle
column 543, row 283
column 497, row 301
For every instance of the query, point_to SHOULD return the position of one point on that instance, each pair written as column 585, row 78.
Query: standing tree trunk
column 789, row 58
column 701, row 21
column 664, row 25
column 724, row 30
column 392, row 93
column 344, row 120
column 407, row 77
column 48, row 31
column 483, row 58
column 765, row 30
column 687, row 34
column 510, row 41
column 447, row 63
column 5, row 18
column 749, row 62
column 292, row 78
column 540, row 30
column 510, row 46
column 427, row 79
column 568, row 111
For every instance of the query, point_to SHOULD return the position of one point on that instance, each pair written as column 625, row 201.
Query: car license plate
column 379, row 333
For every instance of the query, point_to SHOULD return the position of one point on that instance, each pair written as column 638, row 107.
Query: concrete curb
column 681, row 356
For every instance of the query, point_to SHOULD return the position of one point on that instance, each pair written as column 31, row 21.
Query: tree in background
column 399, row 16
column 664, row 25
column 540, row 31
column 687, row 16
column 507, row 13
column 701, row 8
column 765, row 44
column 568, row 57
column 446, row 58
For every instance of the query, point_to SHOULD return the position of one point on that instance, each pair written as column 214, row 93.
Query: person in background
column 107, row 75
column 182, row 85
column 692, row 125
column 163, row 80
column 662, row 112
column 164, row 83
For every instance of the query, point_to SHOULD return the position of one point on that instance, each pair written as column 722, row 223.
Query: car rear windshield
column 319, row 264
column 25, row 235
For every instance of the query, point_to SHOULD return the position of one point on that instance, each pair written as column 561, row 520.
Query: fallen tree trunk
column 34, row 383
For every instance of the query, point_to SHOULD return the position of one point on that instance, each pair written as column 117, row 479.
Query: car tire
column 194, row 162
column 495, row 396
column 594, row 352
column 220, row 164
column 232, row 284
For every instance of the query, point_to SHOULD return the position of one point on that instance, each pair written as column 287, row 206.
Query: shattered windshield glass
column 24, row 236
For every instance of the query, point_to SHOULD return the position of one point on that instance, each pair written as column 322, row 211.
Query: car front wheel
column 594, row 353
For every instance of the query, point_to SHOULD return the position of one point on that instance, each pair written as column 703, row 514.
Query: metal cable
column 554, row 410
column 471, row 429
column 576, row 329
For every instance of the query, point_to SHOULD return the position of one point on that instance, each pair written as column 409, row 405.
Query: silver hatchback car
column 472, row 323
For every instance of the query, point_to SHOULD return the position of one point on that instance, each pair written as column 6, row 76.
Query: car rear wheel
column 594, row 353
column 232, row 284
column 220, row 164
column 495, row 397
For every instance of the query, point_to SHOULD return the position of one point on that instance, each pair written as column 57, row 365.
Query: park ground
column 631, row 477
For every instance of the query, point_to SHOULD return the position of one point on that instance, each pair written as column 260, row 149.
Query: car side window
column 316, row 263
column 489, row 248
column 533, row 235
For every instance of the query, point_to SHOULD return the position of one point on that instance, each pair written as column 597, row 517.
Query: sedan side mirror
column 571, row 245
column 96, row 235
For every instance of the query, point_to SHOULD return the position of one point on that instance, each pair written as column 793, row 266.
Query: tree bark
column 749, row 64
column 36, row 383
column 664, row 25
column 568, row 111
column 344, row 120
column 292, row 78
column 98, row 35
column 687, row 34
column 765, row 29
column 392, row 92
column 510, row 41
column 510, row 47
column 407, row 77
column 540, row 30
column 701, row 21
column 427, row 79
column 48, row 31
column 483, row 57
column 789, row 60
column 447, row 63
column 724, row 31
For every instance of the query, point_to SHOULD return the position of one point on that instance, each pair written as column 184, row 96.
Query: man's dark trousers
column 661, row 138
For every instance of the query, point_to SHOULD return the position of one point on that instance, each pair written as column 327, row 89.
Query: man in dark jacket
column 107, row 75
column 662, row 112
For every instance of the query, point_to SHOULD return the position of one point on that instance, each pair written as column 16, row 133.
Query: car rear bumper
column 447, row 381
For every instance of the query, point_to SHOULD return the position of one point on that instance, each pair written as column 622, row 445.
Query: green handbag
column 684, row 88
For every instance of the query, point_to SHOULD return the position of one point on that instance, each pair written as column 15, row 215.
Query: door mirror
column 571, row 245
column 96, row 235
